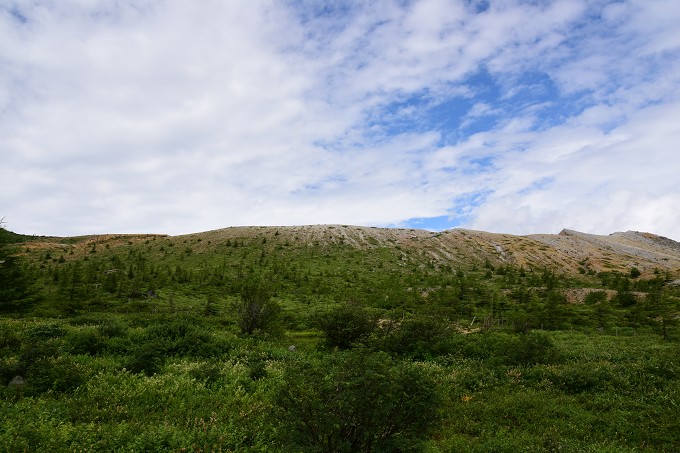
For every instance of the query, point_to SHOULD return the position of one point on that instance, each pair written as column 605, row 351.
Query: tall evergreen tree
column 13, row 279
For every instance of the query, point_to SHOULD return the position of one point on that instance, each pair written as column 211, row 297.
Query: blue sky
column 173, row 117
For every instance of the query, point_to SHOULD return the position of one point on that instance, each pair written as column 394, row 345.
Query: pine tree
column 14, row 283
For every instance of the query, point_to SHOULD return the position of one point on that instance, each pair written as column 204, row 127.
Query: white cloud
column 177, row 116
column 624, row 179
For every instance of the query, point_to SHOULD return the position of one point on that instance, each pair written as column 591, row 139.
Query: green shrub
column 147, row 358
column 476, row 376
column 418, row 338
column 345, row 325
column 595, row 297
column 625, row 299
column 44, row 332
column 119, row 345
column 580, row 379
column 112, row 328
column 506, row 349
column 86, row 340
column 256, row 311
column 180, row 337
column 533, row 348
column 210, row 374
column 32, row 352
column 356, row 401
column 9, row 338
column 60, row 374
column 8, row 370
column 15, row 284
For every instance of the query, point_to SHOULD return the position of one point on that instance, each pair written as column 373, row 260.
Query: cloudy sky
column 178, row 116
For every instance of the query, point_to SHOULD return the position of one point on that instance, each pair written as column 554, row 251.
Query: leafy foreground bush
column 356, row 401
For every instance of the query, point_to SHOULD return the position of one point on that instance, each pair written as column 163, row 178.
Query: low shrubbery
column 356, row 401
column 407, row 387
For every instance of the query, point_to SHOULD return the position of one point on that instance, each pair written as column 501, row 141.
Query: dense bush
column 86, row 340
column 146, row 358
column 356, row 401
column 345, row 325
column 44, row 332
column 507, row 349
column 579, row 379
column 56, row 374
column 9, row 337
column 180, row 337
column 417, row 337
column 595, row 297
column 532, row 348
column 112, row 328
column 8, row 370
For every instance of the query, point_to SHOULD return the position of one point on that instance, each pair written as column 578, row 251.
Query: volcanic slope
column 569, row 251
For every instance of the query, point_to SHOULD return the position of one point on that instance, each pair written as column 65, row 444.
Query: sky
column 177, row 116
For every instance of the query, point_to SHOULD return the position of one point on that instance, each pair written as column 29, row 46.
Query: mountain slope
column 569, row 252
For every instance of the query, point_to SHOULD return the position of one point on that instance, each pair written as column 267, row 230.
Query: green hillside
column 332, row 338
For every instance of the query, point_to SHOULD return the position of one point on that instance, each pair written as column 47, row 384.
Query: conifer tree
column 13, row 279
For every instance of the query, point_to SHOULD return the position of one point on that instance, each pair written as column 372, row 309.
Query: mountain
column 569, row 252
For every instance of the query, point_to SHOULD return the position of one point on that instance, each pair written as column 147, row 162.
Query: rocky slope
column 569, row 251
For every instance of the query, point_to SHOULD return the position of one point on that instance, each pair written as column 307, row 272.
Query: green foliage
column 8, row 237
column 345, row 325
column 14, row 277
column 595, row 297
column 498, row 348
column 577, row 379
column 143, row 346
column 84, row 341
column 255, row 310
column 112, row 328
column 417, row 337
column 57, row 374
column 532, row 348
column 661, row 310
column 44, row 331
column 625, row 299
column 181, row 337
column 145, row 358
column 9, row 337
column 356, row 401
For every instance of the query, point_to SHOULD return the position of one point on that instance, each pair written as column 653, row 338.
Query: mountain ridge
column 569, row 251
